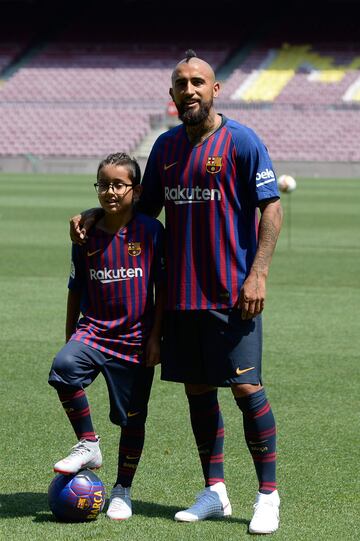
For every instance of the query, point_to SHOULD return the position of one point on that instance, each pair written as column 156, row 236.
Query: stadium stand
column 310, row 134
column 68, row 131
column 11, row 47
column 298, row 98
column 82, row 89
column 80, row 98
column 8, row 52
column 295, row 74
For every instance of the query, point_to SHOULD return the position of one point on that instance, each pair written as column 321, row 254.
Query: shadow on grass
column 25, row 504
column 150, row 509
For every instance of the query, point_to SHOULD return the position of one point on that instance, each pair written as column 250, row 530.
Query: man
column 212, row 174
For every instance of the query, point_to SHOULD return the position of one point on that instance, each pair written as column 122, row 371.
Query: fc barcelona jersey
column 115, row 274
column 210, row 192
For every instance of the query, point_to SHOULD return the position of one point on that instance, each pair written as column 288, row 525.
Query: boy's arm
column 72, row 312
column 153, row 345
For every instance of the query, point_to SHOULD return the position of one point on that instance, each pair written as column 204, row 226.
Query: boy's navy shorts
column 214, row 347
column 129, row 384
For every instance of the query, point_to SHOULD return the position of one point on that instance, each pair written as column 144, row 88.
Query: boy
column 111, row 283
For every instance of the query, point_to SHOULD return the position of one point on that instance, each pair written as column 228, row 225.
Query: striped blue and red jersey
column 116, row 274
column 211, row 192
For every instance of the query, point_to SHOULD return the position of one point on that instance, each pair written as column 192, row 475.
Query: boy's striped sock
column 77, row 409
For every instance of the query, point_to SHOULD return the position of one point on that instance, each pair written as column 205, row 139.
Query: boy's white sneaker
column 85, row 454
column 120, row 503
column 211, row 502
column 266, row 513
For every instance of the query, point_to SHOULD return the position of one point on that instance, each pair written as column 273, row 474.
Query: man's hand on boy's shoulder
column 77, row 230
column 81, row 223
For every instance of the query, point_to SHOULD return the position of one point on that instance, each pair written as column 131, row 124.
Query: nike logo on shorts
column 239, row 372
column 133, row 413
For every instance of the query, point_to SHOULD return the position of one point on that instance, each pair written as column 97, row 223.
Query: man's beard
column 192, row 118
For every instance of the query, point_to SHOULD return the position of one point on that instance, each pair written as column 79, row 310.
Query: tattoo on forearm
column 269, row 229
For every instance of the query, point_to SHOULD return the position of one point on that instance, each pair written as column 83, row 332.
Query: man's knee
column 137, row 419
column 198, row 388
column 244, row 389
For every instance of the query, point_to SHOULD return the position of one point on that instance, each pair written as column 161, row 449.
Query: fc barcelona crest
column 134, row 248
column 213, row 164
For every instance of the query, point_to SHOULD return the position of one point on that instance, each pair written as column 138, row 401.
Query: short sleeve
column 76, row 277
column 152, row 196
column 256, row 167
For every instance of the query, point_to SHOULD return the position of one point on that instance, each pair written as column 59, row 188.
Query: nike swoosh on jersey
column 166, row 167
column 93, row 253
column 239, row 371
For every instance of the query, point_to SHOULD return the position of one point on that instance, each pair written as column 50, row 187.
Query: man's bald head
column 190, row 57
column 194, row 89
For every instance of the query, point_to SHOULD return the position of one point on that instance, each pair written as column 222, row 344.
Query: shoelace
column 267, row 503
column 79, row 449
column 118, row 497
column 206, row 496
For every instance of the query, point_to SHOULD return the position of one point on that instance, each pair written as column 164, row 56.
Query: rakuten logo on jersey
column 265, row 176
column 106, row 276
column 186, row 196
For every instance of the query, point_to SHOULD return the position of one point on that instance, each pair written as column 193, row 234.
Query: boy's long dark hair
column 120, row 158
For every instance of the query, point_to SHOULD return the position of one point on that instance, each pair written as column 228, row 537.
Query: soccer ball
column 286, row 183
column 76, row 498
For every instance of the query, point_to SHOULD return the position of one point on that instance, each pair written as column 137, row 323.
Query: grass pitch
column 311, row 372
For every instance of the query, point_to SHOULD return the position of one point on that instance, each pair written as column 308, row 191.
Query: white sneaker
column 120, row 503
column 85, row 454
column 266, row 513
column 213, row 501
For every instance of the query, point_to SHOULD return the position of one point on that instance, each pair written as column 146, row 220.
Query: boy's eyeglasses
column 117, row 187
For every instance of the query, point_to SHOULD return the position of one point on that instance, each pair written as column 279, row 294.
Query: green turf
column 311, row 358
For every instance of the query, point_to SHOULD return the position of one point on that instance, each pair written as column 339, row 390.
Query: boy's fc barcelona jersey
column 115, row 274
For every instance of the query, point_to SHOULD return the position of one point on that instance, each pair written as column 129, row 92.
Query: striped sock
column 208, row 429
column 260, row 435
column 77, row 409
column 130, row 448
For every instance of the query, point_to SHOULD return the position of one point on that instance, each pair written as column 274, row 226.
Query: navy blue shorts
column 129, row 384
column 214, row 347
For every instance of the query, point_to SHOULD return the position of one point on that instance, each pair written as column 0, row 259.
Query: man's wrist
column 259, row 272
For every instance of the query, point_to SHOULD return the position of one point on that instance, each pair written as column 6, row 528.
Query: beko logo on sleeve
column 266, row 176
